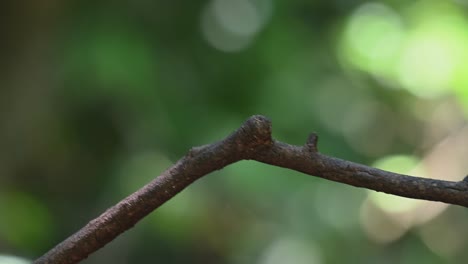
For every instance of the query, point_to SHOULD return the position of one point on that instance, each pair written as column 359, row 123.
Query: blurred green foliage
column 98, row 98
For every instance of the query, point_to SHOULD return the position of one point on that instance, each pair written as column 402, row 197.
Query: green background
column 99, row 97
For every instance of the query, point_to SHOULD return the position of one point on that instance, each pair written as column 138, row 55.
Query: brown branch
column 251, row 141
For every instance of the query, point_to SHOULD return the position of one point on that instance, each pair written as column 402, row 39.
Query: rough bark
column 252, row 141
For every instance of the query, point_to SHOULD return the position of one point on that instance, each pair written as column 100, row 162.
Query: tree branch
column 252, row 141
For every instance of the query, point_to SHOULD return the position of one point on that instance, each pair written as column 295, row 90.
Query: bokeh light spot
column 239, row 17
column 140, row 169
column 291, row 250
column 6, row 259
column 24, row 221
column 373, row 37
column 399, row 164
column 378, row 226
column 426, row 66
column 230, row 26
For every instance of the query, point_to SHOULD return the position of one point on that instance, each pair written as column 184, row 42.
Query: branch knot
column 312, row 142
